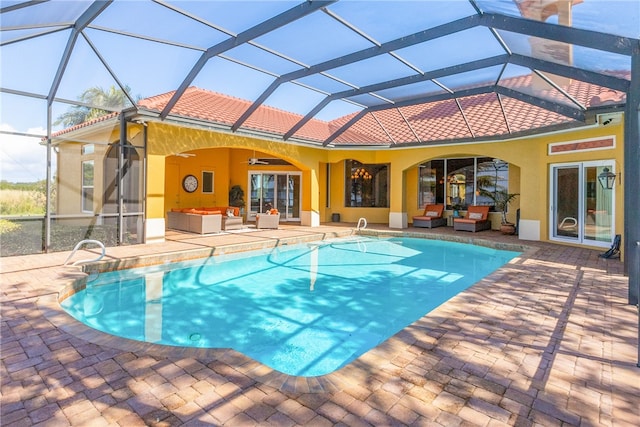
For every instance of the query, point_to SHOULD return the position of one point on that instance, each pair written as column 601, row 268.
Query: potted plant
column 236, row 196
column 456, row 207
column 501, row 200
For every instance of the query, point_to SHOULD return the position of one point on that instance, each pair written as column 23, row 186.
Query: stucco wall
column 226, row 156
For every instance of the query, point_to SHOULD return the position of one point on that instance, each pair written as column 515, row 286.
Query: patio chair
column 431, row 217
column 477, row 219
column 267, row 221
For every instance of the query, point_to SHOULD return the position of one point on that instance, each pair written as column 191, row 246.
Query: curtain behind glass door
column 255, row 192
column 567, row 202
column 268, row 192
column 281, row 201
column 293, row 201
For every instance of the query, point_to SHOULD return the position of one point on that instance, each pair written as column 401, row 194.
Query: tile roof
column 480, row 116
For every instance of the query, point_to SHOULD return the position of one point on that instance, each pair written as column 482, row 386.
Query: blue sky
column 151, row 68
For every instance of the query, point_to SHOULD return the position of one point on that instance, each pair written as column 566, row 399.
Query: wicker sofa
column 205, row 220
column 195, row 221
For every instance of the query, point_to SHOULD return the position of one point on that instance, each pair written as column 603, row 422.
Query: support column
column 631, row 185
column 631, row 180
column 310, row 215
column 397, row 205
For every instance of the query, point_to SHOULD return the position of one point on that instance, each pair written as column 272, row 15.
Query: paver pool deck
column 549, row 339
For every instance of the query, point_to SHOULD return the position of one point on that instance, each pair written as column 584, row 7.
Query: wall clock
column 190, row 183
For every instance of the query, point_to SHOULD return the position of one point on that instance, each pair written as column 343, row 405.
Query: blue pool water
column 303, row 310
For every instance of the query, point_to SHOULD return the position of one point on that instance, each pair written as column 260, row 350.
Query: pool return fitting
column 85, row 261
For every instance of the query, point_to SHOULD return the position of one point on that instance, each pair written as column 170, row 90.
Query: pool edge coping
column 337, row 380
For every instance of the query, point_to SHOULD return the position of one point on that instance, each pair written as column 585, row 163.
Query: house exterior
column 555, row 173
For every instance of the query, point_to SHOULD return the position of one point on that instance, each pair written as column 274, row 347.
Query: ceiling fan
column 256, row 161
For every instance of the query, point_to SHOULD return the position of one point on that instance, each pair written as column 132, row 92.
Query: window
column 430, row 188
column 88, row 149
column 367, row 185
column 467, row 181
column 87, row 186
column 207, row 182
column 492, row 178
column 460, row 182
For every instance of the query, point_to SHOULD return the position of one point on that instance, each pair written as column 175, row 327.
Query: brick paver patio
column 548, row 339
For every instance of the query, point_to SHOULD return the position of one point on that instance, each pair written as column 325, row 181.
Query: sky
column 152, row 68
column 22, row 159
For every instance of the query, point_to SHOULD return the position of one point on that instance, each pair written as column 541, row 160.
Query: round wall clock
column 190, row 183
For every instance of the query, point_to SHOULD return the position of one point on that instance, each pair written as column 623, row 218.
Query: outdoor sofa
column 204, row 220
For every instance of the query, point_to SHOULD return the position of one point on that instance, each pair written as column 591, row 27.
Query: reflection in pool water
column 302, row 310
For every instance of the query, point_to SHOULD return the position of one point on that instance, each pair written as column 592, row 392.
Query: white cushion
column 431, row 213
column 475, row 215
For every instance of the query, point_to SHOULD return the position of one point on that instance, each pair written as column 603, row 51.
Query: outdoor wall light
column 607, row 179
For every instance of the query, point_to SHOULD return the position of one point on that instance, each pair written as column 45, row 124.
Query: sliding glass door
column 582, row 210
column 275, row 190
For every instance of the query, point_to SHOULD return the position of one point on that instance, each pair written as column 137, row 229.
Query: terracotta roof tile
column 395, row 125
column 523, row 116
column 314, row 130
column 484, row 115
column 85, row 124
column 436, row 121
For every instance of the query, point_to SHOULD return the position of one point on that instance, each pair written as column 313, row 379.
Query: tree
column 502, row 199
column 113, row 98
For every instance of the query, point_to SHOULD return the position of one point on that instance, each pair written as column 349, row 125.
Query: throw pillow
column 475, row 215
column 230, row 212
column 431, row 213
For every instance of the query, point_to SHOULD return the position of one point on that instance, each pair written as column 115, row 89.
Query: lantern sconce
column 607, row 179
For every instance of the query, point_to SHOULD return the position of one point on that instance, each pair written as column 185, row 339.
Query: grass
column 22, row 202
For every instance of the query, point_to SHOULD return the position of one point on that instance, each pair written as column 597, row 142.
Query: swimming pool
column 306, row 309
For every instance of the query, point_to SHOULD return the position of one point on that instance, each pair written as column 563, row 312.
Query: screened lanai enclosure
column 354, row 74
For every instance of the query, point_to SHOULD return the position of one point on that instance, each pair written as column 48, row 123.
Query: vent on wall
column 609, row 119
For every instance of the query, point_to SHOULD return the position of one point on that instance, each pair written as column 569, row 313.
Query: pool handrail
column 84, row 261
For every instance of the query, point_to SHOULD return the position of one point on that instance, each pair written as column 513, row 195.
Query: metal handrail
column 82, row 261
column 361, row 221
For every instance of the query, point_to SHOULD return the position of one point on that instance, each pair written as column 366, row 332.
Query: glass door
column 598, row 208
column 293, row 197
column 566, row 202
column 275, row 190
column 582, row 210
